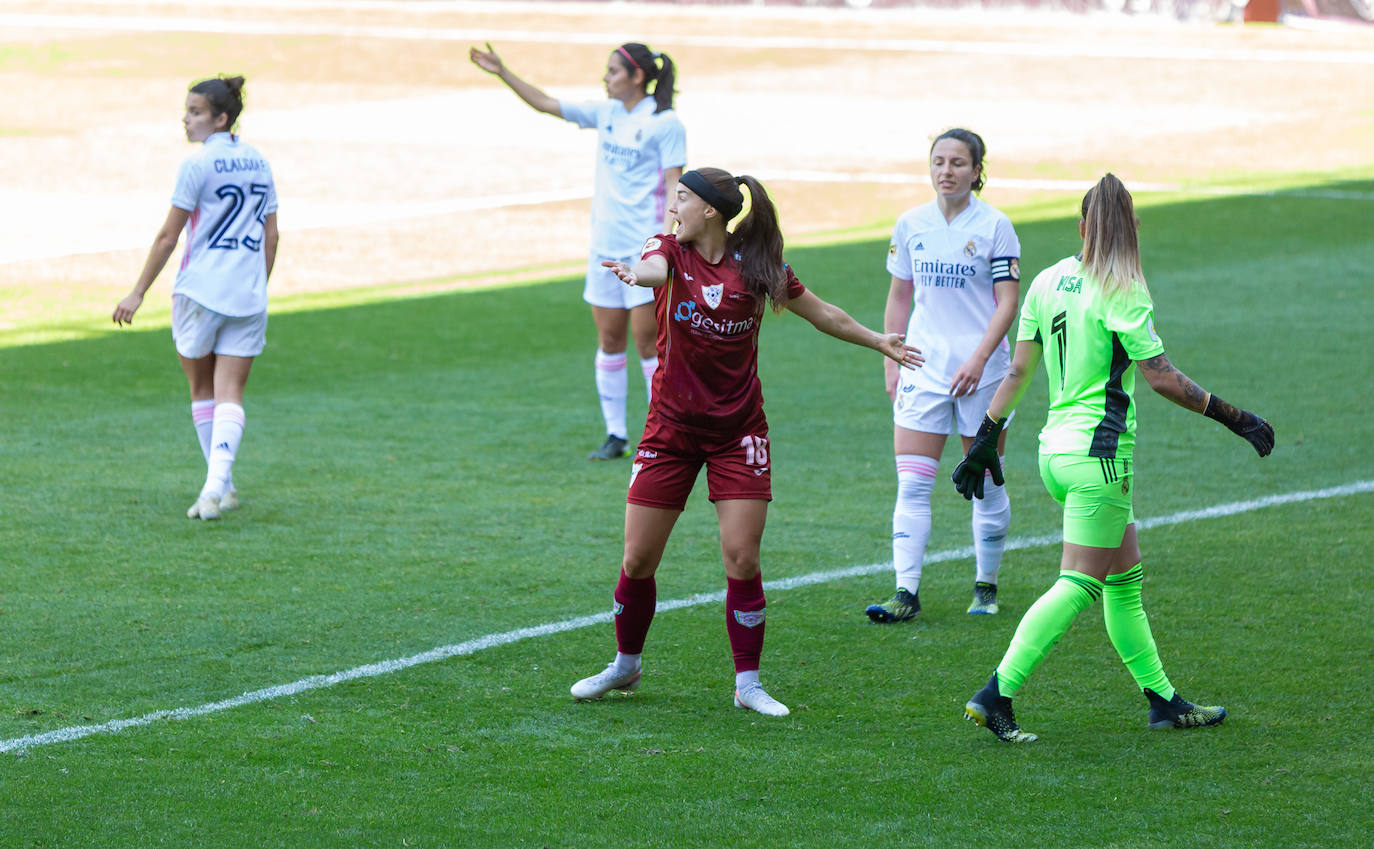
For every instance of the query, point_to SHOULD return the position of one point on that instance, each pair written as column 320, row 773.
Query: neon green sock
column 1129, row 630
column 1044, row 623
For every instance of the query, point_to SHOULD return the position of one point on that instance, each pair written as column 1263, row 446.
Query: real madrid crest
column 970, row 249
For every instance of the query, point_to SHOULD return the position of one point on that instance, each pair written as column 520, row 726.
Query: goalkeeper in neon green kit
column 1090, row 318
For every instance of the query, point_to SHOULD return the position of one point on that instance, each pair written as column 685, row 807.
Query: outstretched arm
column 163, row 244
column 834, row 321
column 1179, row 388
column 488, row 61
column 651, row 272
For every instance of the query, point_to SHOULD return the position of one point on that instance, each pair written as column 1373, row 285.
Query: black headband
column 703, row 189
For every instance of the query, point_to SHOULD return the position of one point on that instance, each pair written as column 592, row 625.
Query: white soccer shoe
column 604, row 682
column 229, row 501
column 205, row 508
column 754, row 698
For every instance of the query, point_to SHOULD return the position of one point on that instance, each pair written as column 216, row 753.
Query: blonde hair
column 1111, row 248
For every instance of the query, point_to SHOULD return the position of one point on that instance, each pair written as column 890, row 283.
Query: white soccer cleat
column 205, row 508
column 229, row 501
column 604, row 682
column 754, row 698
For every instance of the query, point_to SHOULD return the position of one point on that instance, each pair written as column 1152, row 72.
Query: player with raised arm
column 641, row 151
column 711, row 285
column 955, row 266
column 226, row 200
column 1091, row 319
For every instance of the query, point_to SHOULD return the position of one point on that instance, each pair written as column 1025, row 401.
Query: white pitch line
column 1111, row 49
column 490, row 641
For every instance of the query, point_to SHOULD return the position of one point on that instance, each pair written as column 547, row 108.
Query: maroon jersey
column 708, row 331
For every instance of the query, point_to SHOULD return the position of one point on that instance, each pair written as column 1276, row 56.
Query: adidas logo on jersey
column 920, row 246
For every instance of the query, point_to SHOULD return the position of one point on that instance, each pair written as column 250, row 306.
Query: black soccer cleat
column 1178, row 712
column 990, row 709
column 902, row 607
column 612, row 448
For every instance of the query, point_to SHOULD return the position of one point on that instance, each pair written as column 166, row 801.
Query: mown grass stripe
column 490, row 641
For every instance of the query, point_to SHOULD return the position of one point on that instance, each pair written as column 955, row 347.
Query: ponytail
column 660, row 74
column 225, row 96
column 1111, row 247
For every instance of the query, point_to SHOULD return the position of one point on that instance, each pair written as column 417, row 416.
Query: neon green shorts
column 1095, row 493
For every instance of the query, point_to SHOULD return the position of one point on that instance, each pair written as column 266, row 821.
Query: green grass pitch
column 412, row 477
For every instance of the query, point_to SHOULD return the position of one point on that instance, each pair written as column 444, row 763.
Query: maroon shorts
column 668, row 461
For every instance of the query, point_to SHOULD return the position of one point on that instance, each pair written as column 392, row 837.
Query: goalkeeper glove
column 981, row 456
column 1243, row 423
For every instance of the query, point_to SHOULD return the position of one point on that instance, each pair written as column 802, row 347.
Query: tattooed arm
column 1179, row 388
column 1172, row 383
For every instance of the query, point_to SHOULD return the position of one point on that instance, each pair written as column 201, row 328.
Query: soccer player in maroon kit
column 710, row 288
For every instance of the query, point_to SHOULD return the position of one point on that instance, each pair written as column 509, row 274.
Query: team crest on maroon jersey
column 711, row 294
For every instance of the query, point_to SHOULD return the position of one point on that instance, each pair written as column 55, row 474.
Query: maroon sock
column 635, row 601
column 744, row 613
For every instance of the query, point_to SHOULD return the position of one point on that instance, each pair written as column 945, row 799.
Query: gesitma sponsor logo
column 749, row 618
column 687, row 312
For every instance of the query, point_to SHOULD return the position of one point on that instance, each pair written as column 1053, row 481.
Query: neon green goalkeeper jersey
column 1090, row 343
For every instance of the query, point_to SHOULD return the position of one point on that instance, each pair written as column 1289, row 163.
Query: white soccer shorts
column 199, row 332
column 604, row 289
column 939, row 412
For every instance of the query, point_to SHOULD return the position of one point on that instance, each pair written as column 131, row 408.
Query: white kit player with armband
column 955, row 267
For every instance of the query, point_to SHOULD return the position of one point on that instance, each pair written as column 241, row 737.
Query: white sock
column 649, row 366
column 224, row 445
column 991, row 519
column 203, row 417
column 911, row 517
column 627, row 662
column 612, row 385
column 744, row 679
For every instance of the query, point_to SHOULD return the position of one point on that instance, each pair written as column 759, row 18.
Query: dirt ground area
column 398, row 163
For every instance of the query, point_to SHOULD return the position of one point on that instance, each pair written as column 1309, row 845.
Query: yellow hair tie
column 743, row 210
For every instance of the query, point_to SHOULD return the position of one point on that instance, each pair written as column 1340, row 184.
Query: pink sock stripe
column 229, row 412
column 611, row 362
column 921, row 466
column 203, row 414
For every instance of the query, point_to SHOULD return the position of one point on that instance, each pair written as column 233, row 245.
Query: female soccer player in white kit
column 955, row 266
column 641, row 150
column 226, row 200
